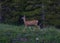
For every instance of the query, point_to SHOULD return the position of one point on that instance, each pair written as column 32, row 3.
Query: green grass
column 13, row 34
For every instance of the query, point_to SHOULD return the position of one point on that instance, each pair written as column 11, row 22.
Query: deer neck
column 24, row 19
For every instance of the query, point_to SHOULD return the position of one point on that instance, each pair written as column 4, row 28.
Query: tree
column 13, row 9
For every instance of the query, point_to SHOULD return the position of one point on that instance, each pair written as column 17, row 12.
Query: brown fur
column 30, row 22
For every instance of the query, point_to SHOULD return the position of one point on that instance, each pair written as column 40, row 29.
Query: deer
column 29, row 22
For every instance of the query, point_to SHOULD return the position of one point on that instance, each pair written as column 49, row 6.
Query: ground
column 14, row 34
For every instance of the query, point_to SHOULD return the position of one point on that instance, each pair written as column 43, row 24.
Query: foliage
column 13, row 34
column 11, row 10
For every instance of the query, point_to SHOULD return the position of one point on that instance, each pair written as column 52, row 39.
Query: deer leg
column 37, row 27
column 24, row 28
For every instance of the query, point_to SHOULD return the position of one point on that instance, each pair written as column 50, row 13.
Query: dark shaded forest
column 46, row 11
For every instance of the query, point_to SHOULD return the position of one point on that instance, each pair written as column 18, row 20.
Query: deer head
column 23, row 18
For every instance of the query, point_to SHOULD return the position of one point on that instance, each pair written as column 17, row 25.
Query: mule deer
column 30, row 22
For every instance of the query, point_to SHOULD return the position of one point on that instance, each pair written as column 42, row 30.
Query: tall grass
column 14, row 34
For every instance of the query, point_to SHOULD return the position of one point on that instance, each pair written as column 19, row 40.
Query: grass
column 14, row 34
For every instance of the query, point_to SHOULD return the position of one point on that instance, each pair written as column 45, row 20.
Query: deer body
column 30, row 22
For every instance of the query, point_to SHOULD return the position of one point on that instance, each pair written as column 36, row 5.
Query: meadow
column 15, row 34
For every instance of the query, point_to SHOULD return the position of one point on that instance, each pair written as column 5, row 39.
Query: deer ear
column 24, row 15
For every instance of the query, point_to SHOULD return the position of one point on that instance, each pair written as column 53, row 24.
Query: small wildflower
column 37, row 38
column 23, row 39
